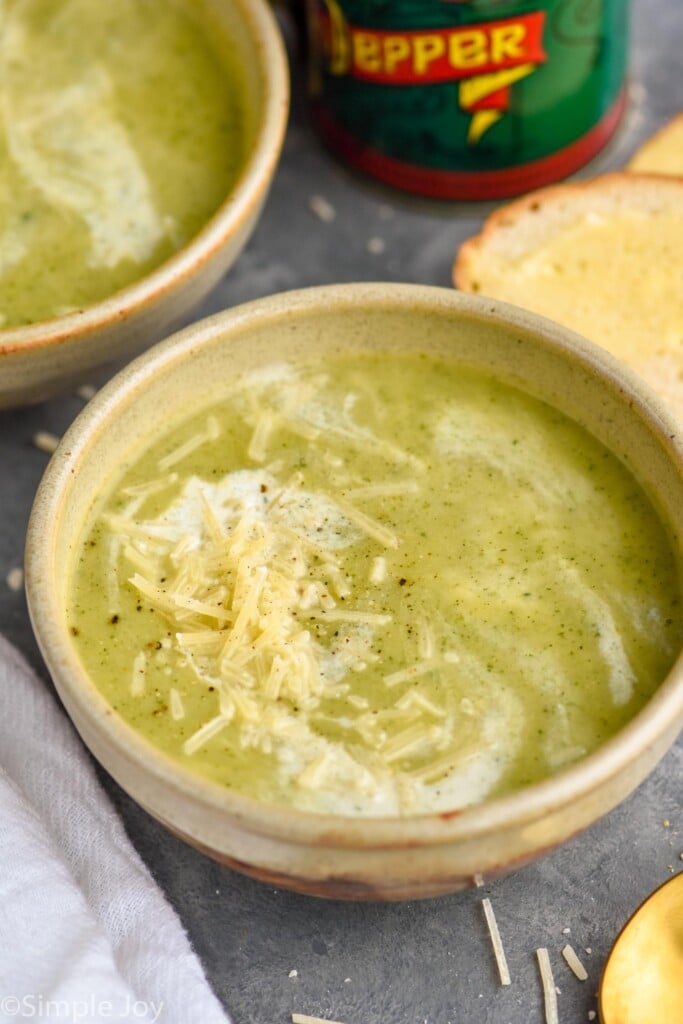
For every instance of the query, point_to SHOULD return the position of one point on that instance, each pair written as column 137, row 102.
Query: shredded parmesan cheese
column 549, row 991
column 409, row 741
column 322, row 208
column 574, row 963
column 376, row 246
column 425, row 635
column 138, row 560
column 386, row 490
column 191, row 445
column 206, row 733
column 45, row 441
column 314, row 772
column 496, row 941
column 370, row 526
column 149, row 487
column 259, row 440
column 406, row 675
column 177, row 707
column 302, row 1018
column 437, row 769
column 370, row 618
column 15, row 579
column 378, row 572
column 415, row 699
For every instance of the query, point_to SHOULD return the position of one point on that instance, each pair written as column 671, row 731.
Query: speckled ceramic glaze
column 40, row 359
column 326, row 855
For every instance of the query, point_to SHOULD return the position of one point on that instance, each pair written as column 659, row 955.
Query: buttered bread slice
column 663, row 153
column 604, row 257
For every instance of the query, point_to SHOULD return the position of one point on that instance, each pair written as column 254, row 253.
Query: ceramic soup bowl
column 395, row 851
column 83, row 160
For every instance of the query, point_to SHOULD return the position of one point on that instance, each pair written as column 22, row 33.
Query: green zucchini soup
column 375, row 585
column 123, row 127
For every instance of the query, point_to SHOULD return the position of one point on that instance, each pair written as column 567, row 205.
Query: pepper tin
column 467, row 99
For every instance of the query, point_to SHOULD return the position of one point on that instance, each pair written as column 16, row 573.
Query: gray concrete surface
column 422, row 962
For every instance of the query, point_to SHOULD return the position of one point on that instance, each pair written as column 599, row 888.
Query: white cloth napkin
column 85, row 932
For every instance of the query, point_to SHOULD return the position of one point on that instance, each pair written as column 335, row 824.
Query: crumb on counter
column 376, row 246
column 322, row 208
column 574, row 963
column 86, row 392
column 45, row 441
column 15, row 579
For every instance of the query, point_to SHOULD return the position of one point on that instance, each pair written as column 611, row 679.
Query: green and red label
column 432, row 96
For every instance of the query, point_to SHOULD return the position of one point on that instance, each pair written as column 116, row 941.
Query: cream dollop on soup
column 122, row 129
column 376, row 585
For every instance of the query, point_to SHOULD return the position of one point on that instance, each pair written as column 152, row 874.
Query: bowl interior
column 193, row 369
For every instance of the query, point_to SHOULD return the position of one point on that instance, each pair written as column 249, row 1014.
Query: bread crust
column 614, row 191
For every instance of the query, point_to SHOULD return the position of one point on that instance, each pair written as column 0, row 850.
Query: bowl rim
column 662, row 712
column 236, row 209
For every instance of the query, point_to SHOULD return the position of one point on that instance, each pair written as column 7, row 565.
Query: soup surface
column 376, row 585
column 122, row 129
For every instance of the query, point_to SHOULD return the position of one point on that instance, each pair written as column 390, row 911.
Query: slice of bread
column 604, row 257
column 663, row 153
